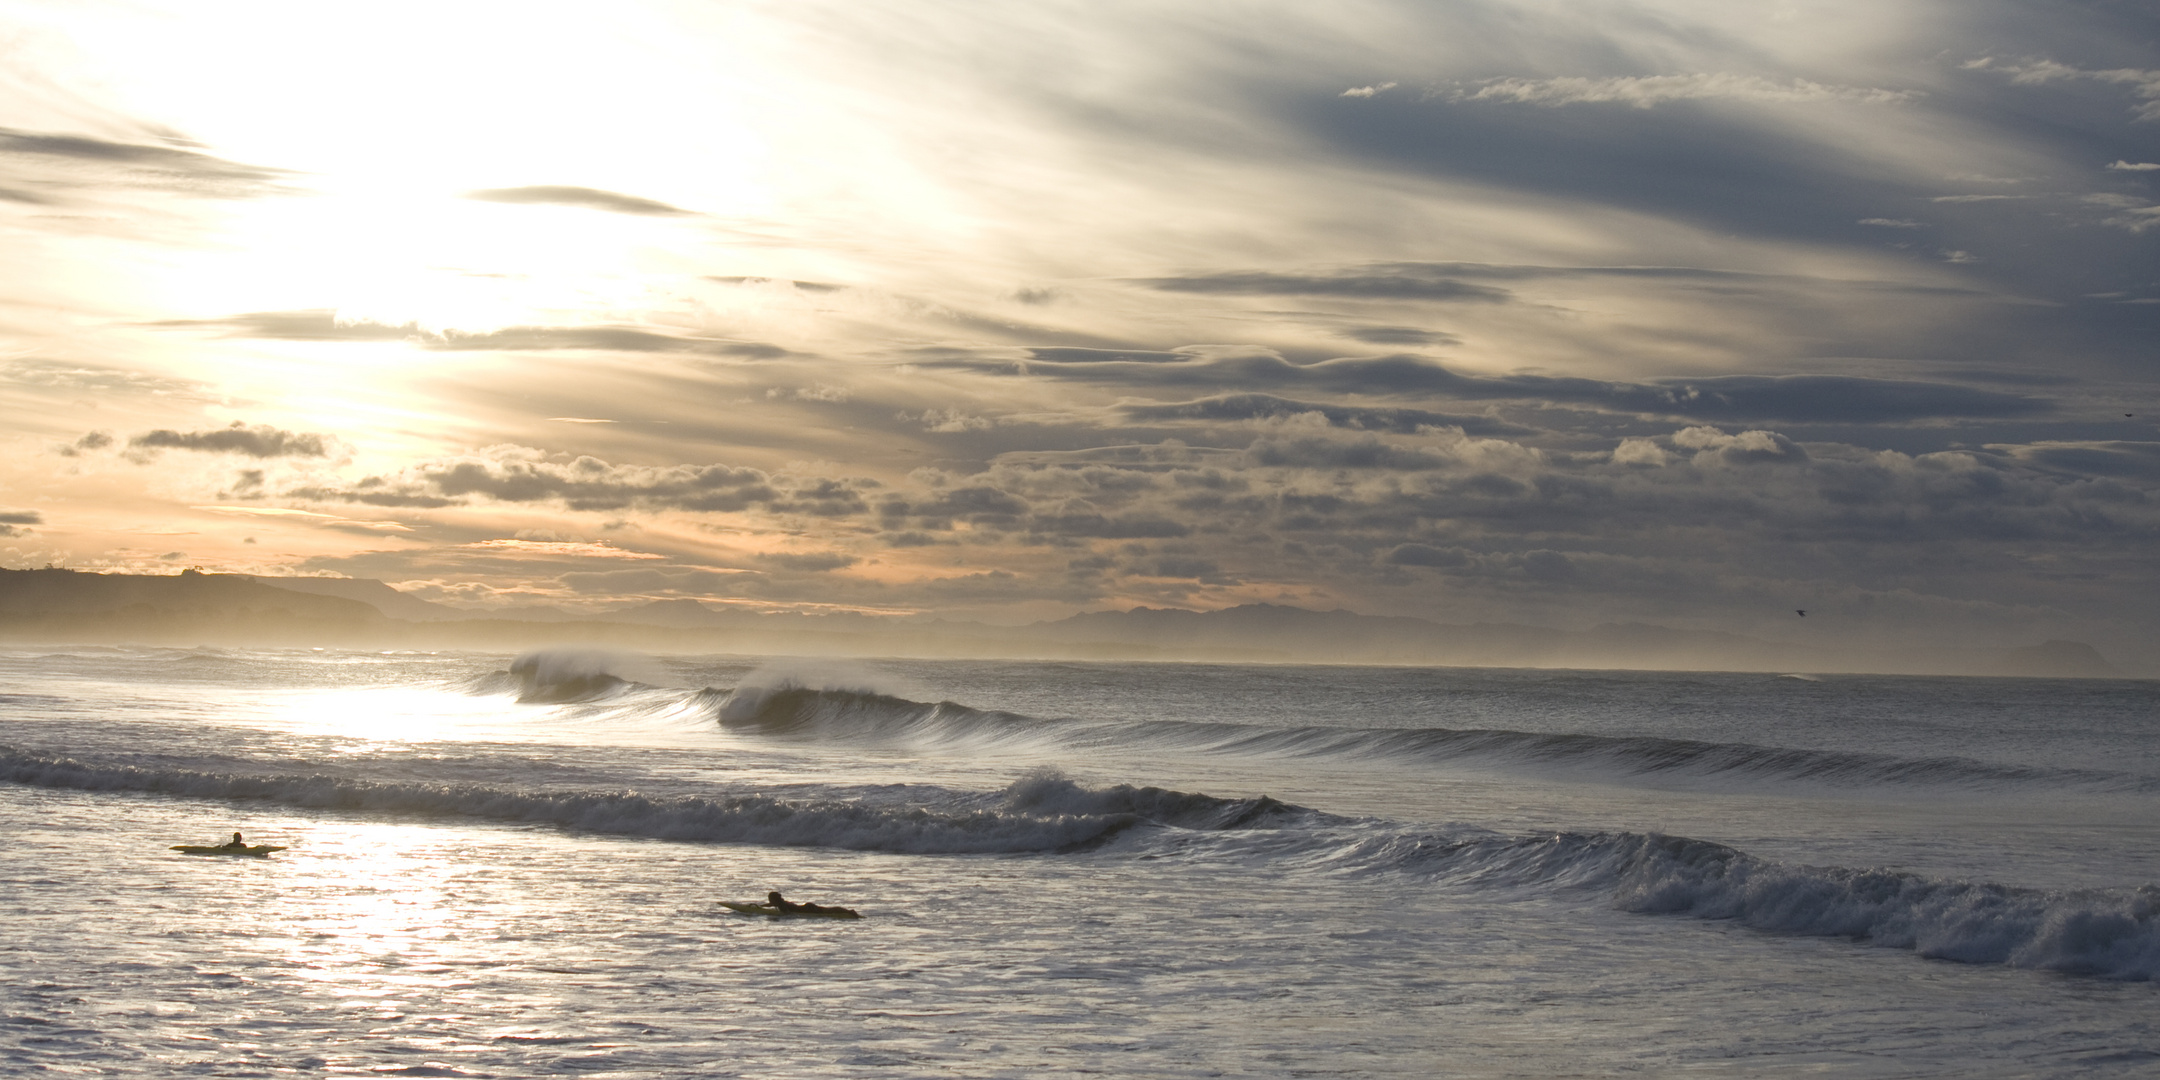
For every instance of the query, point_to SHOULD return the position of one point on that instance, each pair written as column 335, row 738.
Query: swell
column 859, row 716
column 1038, row 813
column 2113, row 933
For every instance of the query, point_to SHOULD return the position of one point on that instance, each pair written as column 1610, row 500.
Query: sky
column 1558, row 312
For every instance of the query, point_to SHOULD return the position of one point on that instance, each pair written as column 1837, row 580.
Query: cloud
column 1799, row 398
column 589, row 198
column 167, row 168
column 523, row 475
column 1074, row 355
column 587, row 483
column 2116, row 458
column 1444, row 280
column 2129, row 214
column 1406, row 282
column 1892, row 223
column 100, row 381
column 1639, row 451
column 95, row 440
column 307, row 517
column 578, row 549
column 1108, row 527
column 1236, row 407
column 12, row 521
column 678, row 580
column 1400, row 335
column 2144, row 83
column 805, row 286
column 1321, row 453
column 810, row 562
column 260, row 441
column 2135, row 166
column 1746, row 448
column 1647, row 91
column 1426, row 555
column 326, row 325
column 1367, row 91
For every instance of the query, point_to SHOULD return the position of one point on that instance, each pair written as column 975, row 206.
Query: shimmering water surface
column 511, row 868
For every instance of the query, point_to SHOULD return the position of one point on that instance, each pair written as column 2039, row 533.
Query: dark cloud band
column 588, row 198
column 260, row 441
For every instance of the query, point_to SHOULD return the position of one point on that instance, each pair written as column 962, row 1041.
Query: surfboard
column 260, row 851
column 771, row 912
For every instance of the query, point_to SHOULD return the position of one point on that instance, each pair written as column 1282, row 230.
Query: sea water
column 510, row 866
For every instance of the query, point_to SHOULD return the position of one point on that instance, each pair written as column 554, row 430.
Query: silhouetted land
column 55, row 606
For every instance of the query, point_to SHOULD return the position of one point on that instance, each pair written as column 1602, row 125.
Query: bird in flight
column 1802, row 614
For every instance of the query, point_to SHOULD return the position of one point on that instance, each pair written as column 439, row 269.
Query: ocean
column 502, row 866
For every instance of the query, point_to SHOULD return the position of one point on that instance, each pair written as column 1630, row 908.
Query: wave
column 562, row 676
column 788, row 710
column 1038, row 813
column 2113, row 933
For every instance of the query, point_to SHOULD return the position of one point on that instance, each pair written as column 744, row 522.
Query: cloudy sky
column 1549, row 311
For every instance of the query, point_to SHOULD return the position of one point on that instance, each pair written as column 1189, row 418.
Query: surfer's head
column 236, row 839
column 773, row 898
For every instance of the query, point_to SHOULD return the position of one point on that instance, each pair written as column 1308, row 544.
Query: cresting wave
column 2113, row 933
column 1037, row 813
column 794, row 711
column 566, row 675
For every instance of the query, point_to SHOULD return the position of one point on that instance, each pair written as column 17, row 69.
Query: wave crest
column 565, row 676
column 2113, row 933
column 1037, row 814
column 788, row 708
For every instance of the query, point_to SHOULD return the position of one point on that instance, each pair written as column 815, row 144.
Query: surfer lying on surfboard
column 784, row 904
column 778, row 906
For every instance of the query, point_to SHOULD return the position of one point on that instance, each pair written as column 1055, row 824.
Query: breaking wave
column 1040, row 812
column 788, row 710
column 2113, row 933
column 565, row 676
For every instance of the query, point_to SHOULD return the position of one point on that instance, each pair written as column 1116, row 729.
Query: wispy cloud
column 1649, row 91
column 325, row 325
column 1407, row 283
column 2143, row 82
column 102, row 161
column 561, row 548
column 588, row 198
column 1805, row 398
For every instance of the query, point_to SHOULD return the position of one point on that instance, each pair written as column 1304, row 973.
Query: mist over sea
column 505, row 866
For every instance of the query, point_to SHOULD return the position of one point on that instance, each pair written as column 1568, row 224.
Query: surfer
column 237, row 843
column 781, row 903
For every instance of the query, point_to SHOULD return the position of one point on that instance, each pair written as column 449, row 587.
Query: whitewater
column 511, row 866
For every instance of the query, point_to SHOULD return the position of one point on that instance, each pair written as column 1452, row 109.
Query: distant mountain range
column 59, row 606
